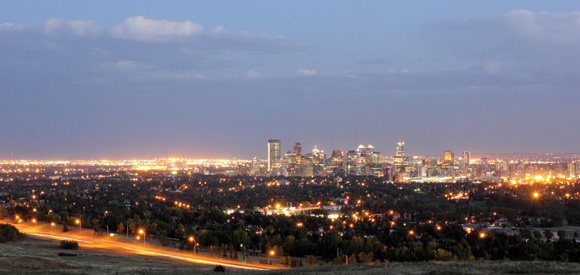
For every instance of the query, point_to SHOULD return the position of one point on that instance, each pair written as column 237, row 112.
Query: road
column 121, row 245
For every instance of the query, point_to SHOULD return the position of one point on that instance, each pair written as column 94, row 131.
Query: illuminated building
column 368, row 154
column 399, row 159
column 290, row 157
column 400, row 149
column 273, row 153
column 318, row 160
column 376, row 158
column 361, row 149
column 298, row 151
column 466, row 158
column 448, row 157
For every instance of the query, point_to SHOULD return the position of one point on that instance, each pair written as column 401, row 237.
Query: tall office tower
column 273, row 152
column 466, row 158
column 448, row 157
column 485, row 164
column 400, row 150
column 361, row 149
column 298, row 150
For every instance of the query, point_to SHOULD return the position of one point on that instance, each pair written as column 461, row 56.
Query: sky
column 216, row 79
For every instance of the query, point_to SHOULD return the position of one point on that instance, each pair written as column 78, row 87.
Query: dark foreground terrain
column 32, row 256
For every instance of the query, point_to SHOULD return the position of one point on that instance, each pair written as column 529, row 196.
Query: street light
column 34, row 221
column 271, row 255
column 192, row 240
column 51, row 227
column 142, row 232
column 245, row 258
column 78, row 221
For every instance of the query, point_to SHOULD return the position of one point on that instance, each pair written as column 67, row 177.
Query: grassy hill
column 32, row 256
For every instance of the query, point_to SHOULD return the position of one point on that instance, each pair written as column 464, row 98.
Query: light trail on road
column 126, row 247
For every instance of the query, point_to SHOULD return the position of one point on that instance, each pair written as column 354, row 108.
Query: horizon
column 327, row 152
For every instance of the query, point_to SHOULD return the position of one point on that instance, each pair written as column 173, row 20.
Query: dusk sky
column 145, row 79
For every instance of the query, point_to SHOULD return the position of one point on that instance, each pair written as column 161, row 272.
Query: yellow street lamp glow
column 272, row 252
column 140, row 231
column 191, row 239
column 536, row 195
column 77, row 221
column 482, row 235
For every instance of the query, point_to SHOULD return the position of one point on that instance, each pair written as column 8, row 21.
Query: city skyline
column 145, row 79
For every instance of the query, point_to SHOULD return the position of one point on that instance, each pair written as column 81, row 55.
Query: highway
column 121, row 245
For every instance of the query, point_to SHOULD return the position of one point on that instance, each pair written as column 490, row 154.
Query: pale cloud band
column 149, row 30
column 307, row 72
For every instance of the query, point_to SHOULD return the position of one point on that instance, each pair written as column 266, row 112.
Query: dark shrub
column 69, row 244
column 8, row 233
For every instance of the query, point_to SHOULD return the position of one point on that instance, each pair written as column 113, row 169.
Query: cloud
column 252, row 74
column 6, row 26
column 126, row 65
column 143, row 29
column 553, row 27
column 307, row 72
column 55, row 26
column 528, row 28
column 393, row 71
column 518, row 44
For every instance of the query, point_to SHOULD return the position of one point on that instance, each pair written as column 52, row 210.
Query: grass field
column 32, row 256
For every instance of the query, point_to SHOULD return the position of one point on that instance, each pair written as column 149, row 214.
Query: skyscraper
column 400, row 150
column 273, row 152
column 448, row 157
column 298, row 150
column 466, row 158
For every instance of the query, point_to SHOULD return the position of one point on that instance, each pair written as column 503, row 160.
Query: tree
column 352, row 259
column 365, row 257
column 548, row 234
column 8, row 233
column 443, row 255
column 162, row 237
column 310, row 260
column 525, row 233
column 561, row 234
column 120, row 228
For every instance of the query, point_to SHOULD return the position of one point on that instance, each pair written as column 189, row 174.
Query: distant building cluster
column 365, row 161
column 362, row 161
